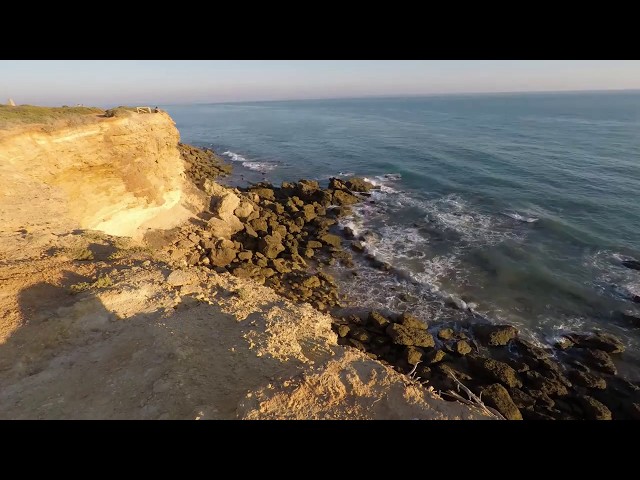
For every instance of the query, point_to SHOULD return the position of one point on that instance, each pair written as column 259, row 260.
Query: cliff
column 94, row 324
column 118, row 175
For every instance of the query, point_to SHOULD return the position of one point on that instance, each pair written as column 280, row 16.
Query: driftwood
column 473, row 398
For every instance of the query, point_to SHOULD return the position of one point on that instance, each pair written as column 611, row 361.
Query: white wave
column 251, row 165
column 348, row 174
column 259, row 166
column 236, row 157
column 520, row 218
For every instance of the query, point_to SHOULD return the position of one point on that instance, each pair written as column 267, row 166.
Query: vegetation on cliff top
column 31, row 114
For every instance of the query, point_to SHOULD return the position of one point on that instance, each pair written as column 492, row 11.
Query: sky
column 108, row 83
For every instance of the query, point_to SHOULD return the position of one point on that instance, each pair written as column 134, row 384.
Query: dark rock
column 357, row 246
column 377, row 320
column 402, row 335
column 412, row 321
column 348, row 232
column 542, row 399
column 593, row 409
column 494, row 335
column 462, row 348
column 434, row 356
column 587, row 380
column 361, row 335
column 599, row 341
column 497, row 370
column 548, row 385
column 536, row 415
column 634, row 411
column 631, row 316
column 450, row 371
column 413, row 355
column 311, row 282
column 600, row 360
column 357, row 344
column 632, row 264
column 521, row 399
column 564, row 344
column 445, row 334
column 498, row 397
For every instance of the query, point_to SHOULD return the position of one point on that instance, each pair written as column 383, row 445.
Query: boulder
column 224, row 205
column 356, row 184
column 246, row 270
column 343, row 330
column 600, row 360
column 243, row 210
column 435, row 356
column 494, row 335
column 279, row 265
column 593, row 409
column 343, row 198
column 225, row 227
column 599, row 340
column 311, row 282
column 496, row 370
column 412, row 321
column 314, row 244
column 632, row 264
column 401, row 335
column 413, row 355
column 222, row 256
column 445, row 334
column 587, row 380
column 548, row 385
column 361, row 335
column 271, row 245
column 377, row 320
column 264, row 193
column 462, row 348
column 330, row 239
column 244, row 256
column 308, row 213
column 308, row 252
column 498, row 397
column 337, row 184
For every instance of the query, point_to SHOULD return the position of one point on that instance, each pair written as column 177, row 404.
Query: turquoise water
column 521, row 205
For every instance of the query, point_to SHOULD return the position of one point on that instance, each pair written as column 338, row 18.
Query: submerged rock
column 632, row 264
column 601, row 341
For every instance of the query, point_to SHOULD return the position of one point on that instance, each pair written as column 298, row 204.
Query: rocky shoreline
column 282, row 237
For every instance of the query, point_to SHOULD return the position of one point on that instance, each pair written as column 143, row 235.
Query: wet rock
column 462, row 348
column 600, row 360
column 521, row 399
column 357, row 246
column 331, row 239
column 564, row 344
column 348, row 232
column 496, row 370
column 356, row 184
column 587, row 380
column 377, row 320
column 271, row 245
column 308, row 213
column 548, row 385
column 445, row 334
column 632, row 264
column 600, row 341
column 498, row 397
column 402, row 335
column 412, row 321
column 413, row 355
column 631, row 317
column 494, row 335
column 593, row 409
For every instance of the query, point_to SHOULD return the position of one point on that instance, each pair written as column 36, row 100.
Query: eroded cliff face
column 117, row 175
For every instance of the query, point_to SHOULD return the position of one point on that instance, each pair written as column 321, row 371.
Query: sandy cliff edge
column 155, row 341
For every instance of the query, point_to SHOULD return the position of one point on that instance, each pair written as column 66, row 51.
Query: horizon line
column 408, row 95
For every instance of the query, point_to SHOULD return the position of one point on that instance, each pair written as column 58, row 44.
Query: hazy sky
column 108, row 83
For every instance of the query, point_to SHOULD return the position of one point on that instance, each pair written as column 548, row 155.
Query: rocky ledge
column 283, row 236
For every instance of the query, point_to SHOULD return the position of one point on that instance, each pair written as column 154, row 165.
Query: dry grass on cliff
column 47, row 116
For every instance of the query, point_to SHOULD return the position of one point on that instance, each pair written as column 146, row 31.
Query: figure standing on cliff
column 156, row 110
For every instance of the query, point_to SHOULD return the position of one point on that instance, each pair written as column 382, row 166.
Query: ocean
column 522, row 206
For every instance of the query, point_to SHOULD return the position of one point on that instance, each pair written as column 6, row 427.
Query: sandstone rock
column 267, row 272
column 361, row 335
column 377, row 320
column 498, row 397
column 435, row 356
column 178, row 278
column 271, row 245
column 245, row 255
column 279, row 265
column 343, row 330
column 314, row 244
column 497, row 370
column 445, row 334
column 564, row 344
column 357, row 246
column 462, row 348
column 521, row 399
column 311, row 282
column 331, row 239
column 600, row 360
column 244, row 210
column 264, row 193
column 226, row 227
column 343, row 198
column 413, row 355
column 246, row 270
column 224, row 205
column 547, row 385
column 587, row 380
column 356, row 184
column 223, row 256
column 337, row 184
column 599, row 340
column 412, row 321
column 494, row 335
column 593, row 409
column 417, row 337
